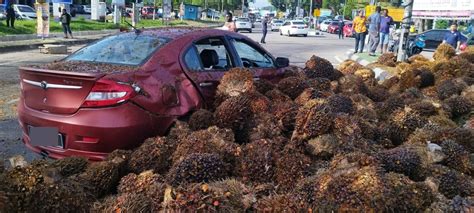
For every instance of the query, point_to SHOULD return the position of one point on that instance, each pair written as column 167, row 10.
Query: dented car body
column 117, row 92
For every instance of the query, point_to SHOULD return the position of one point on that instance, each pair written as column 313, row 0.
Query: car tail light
column 294, row 27
column 108, row 93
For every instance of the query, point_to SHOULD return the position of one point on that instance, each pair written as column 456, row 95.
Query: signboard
column 451, row 9
column 396, row 13
column 42, row 12
column 120, row 3
column 317, row 12
column 94, row 9
column 167, row 9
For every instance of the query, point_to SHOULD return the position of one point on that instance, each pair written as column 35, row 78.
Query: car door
column 260, row 62
column 205, row 62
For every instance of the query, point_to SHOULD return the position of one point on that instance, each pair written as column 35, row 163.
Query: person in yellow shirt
column 360, row 28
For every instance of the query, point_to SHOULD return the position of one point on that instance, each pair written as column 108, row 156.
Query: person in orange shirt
column 358, row 25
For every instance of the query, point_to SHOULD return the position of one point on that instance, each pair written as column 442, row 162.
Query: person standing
column 229, row 23
column 374, row 30
column 65, row 20
column 385, row 22
column 11, row 16
column 453, row 37
column 341, row 28
column 264, row 29
column 358, row 25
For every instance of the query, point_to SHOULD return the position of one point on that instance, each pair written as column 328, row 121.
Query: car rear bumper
column 93, row 133
column 299, row 31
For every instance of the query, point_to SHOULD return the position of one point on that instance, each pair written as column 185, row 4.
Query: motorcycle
column 415, row 44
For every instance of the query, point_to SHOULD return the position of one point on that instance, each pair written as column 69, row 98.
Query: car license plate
column 300, row 27
column 45, row 136
column 241, row 23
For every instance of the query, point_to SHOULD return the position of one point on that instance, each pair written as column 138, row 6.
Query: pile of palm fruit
column 319, row 139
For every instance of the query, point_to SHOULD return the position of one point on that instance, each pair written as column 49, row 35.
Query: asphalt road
column 300, row 49
column 297, row 49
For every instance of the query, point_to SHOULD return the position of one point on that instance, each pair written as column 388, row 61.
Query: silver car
column 243, row 24
column 275, row 25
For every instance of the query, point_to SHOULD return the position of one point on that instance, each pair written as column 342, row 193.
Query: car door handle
column 206, row 84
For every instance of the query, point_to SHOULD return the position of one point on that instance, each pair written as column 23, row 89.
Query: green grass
column 29, row 26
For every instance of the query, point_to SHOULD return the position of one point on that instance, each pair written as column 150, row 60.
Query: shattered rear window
column 123, row 49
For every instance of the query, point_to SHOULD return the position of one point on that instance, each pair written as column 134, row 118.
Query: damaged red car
column 120, row 90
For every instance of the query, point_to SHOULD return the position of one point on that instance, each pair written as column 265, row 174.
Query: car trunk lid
column 56, row 92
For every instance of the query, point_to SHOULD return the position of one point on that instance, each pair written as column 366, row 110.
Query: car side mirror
column 282, row 62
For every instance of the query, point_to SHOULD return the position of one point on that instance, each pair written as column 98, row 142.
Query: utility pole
column 408, row 4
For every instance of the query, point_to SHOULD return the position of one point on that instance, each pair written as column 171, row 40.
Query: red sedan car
column 347, row 30
column 118, row 91
column 333, row 27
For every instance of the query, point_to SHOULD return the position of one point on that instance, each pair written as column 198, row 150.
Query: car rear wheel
column 250, row 31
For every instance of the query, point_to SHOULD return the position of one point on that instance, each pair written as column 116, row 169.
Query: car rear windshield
column 278, row 22
column 243, row 19
column 26, row 9
column 123, row 49
column 298, row 23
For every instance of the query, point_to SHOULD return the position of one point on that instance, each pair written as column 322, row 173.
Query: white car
column 291, row 28
column 325, row 24
column 24, row 11
column 87, row 9
column 243, row 24
column 275, row 25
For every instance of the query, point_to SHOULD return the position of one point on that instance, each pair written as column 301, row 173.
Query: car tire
column 289, row 35
column 250, row 31
column 305, row 35
column 281, row 33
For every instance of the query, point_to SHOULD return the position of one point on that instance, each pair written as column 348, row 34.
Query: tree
column 333, row 5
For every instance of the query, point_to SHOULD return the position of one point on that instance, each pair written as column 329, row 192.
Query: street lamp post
column 405, row 27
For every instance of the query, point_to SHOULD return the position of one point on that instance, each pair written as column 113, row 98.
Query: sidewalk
column 365, row 59
column 13, row 46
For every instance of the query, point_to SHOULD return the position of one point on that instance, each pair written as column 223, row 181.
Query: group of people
column 378, row 30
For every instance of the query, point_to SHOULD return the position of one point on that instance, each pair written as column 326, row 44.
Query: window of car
column 252, row 56
column 298, row 23
column 286, row 24
column 192, row 60
column 243, row 19
column 212, row 55
column 126, row 49
column 277, row 22
column 25, row 9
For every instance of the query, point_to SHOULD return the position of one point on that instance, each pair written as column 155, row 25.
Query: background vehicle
column 291, row 28
column 324, row 25
column 87, row 9
column 139, row 96
column 24, row 11
column 415, row 45
column 243, row 24
column 275, row 25
column 347, row 30
column 435, row 37
column 333, row 27
column 147, row 13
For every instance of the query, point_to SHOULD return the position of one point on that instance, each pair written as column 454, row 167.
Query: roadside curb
column 380, row 74
column 23, row 37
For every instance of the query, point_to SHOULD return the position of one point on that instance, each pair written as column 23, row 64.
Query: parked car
column 291, row 28
column 333, row 27
column 243, row 24
column 77, row 9
column 87, row 9
column 325, row 24
column 140, row 83
column 3, row 12
column 347, row 30
column 24, row 11
column 275, row 25
column 147, row 13
column 433, row 38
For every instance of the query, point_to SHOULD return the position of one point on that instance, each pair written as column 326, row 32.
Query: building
column 426, row 12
